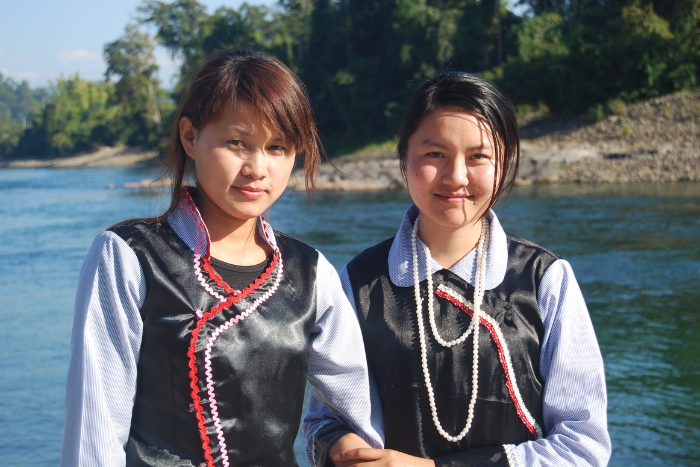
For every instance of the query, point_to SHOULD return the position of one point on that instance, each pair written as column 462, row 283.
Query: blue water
column 635, row 250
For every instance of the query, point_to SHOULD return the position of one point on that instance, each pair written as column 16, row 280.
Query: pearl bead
column 473, row 327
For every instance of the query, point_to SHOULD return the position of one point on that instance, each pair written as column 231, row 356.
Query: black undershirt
column 239, row 277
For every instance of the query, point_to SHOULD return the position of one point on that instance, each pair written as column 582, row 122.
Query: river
column 635, row 249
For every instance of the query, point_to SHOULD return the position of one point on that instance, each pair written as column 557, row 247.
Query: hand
column 348, row 442
column 379, row 457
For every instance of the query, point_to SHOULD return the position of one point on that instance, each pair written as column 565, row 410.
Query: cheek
column 281, row 168
column 483, row 178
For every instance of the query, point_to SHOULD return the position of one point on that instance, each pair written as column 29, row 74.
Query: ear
column 187, row 135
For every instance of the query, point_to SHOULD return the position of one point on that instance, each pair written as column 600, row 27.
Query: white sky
column 40, row 40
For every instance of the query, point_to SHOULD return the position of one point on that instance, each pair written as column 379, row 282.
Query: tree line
column 362, row 59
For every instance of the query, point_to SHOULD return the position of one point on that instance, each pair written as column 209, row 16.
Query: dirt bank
column 103, row 157
column 657, row 140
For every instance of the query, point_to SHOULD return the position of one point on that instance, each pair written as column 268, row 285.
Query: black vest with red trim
column 388, row 320
column 214, row 380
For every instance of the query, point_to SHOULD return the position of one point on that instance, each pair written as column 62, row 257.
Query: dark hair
column 480, row 98
column 259, row 79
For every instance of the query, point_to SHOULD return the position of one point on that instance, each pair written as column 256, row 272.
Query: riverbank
column 123, row 156
column 653, row 141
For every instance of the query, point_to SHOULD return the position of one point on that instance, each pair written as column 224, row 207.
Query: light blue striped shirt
column 106, row 340
column 574, row 399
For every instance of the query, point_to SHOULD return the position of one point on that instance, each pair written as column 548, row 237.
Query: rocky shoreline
column 653, row 141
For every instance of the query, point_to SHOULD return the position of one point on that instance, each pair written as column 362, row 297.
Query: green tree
column 131, row 59
column 73, row 120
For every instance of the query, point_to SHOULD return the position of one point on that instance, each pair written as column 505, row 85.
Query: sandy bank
column 103, row 157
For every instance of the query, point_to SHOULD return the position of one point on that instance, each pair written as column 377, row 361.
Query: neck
column 233, row 240
column 448, row 246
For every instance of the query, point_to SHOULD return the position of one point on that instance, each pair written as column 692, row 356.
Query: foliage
column 79, row 116
column 131, row 58
column 579, row 55
column 362, row 60
column 18, row 106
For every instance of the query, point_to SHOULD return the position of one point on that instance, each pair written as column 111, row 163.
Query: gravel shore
column 653, row 141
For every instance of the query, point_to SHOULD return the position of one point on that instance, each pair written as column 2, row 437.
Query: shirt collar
column 401, row 256
column 187, row 223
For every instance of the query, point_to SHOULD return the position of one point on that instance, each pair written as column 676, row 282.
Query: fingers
column 359, row 454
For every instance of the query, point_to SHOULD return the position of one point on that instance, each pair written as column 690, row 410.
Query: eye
column 277, row 149
column 236, row 142
column 435, row 155
column 479, row 157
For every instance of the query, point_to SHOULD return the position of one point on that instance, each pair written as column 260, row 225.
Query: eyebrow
column 438, row 144
column 245, row 133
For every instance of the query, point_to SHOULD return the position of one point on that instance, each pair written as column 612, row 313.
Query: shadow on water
column 635, row 249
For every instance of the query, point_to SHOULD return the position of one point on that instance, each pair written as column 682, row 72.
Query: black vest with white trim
column 254, row 366
column 511, row 325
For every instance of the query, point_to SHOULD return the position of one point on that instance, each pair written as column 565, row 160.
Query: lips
column 250, row 192
column 454, row 197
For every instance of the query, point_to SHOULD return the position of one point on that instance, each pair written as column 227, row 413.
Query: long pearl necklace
column 474, row 325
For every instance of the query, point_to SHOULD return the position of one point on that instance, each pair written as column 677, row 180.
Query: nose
column 254, row 165
column 456, row 172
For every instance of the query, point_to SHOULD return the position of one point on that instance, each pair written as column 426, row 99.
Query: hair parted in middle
column 261, row 80
column 484, row 101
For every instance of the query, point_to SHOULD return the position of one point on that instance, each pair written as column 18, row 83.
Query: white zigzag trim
column 511, row 374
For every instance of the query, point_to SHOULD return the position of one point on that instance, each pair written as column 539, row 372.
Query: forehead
column 244, row 116
column 452, row 126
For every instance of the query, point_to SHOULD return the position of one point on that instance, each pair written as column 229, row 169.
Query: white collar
column 401, row 256
column 187, row 223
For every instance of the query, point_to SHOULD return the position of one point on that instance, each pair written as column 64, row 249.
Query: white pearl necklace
column 474, row 326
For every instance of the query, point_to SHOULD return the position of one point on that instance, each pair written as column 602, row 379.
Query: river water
column 635, row 250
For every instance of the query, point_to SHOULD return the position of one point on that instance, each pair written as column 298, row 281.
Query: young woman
column 195, row 332
column 478, row 341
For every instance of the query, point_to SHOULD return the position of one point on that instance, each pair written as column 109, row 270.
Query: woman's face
column 242, row 164
column 450, row 169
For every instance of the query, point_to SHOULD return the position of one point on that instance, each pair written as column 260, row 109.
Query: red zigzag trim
column 234, row 297
column 501, row 357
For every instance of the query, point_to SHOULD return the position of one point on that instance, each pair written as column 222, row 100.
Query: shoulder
column 519, row 243
column 132, row 229
column 525, row 255
column 371, row 263
column 295, row 245
column 378, row 252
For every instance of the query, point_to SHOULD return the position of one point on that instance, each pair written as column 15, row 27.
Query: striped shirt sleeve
column 574, row 401
column 105, row 345
column 337, row 365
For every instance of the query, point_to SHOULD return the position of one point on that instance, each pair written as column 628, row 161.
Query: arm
column 340, row 401
column 575, row 400
column 105, row 347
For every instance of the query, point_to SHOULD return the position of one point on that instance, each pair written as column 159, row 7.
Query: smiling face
column 450, row 169
column 242, row 164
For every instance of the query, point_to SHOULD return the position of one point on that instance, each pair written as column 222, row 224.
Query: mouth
column 454, row 198
column 250, row 192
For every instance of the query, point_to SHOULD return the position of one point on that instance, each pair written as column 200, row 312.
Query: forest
column 362, row 59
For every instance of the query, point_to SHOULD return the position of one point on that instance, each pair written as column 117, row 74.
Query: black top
column 387, row 315
column 237, row 276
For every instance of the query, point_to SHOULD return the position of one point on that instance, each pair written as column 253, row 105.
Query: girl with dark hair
column 195, row 332
column 479, row 342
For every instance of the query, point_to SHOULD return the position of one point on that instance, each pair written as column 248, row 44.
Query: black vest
column 387, row 316
column 258, row 364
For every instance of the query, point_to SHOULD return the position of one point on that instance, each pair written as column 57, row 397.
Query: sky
column 42, row 40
